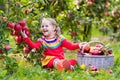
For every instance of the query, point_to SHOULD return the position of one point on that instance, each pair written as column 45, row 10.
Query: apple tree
column 8, row 63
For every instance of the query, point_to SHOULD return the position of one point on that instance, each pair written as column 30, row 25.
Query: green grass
column 26, row 71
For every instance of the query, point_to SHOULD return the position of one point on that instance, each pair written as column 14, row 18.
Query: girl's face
column 47, row 29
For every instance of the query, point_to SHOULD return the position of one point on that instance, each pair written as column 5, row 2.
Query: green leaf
column 23, row 1
column 10, row 50
column 1, row 12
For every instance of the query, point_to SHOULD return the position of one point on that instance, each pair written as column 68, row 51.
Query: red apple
column 79, row 51
column 25, row 28
column 87, row 49
column 17, row 27
column 1, row 52
column 94, row 51
column 11, row 25
column 26, row 50
column 110, row 51
column 106, row 6
column 93, row 1
column 109, row 71
column 79, row 22
column 106, row 13
column 7, row 47
column 18, row 39
column 22, row 23
column 93, row 68
column 99, row 46
column 106, row 0
column 27, row 33
column 78, row 2
column 89, row 3
column 15, row 33
column 73, row 34
column 27, row 11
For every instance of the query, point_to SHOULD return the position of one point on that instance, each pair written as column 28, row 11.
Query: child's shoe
column 64, row 65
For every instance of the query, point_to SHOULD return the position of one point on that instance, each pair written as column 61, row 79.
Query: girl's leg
column 50, row 64
column 62, row 65
column 72, row 62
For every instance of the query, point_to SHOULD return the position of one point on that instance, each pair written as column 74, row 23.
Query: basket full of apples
column 96, row 54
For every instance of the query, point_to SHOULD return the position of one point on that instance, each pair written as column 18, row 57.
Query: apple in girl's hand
column 11, row 25
column 7, row 47
column 26, row 50
column 17, row 27
column 22, row 23
column 18, row 39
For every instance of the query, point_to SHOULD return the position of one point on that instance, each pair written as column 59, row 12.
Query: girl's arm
column 31, row 44
column 69, row 45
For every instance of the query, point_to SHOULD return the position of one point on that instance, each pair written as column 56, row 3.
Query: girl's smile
column 47, row 29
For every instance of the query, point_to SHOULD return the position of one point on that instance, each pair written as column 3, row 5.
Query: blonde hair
column 54, row 23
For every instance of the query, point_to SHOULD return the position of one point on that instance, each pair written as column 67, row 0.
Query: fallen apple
column 93, row 68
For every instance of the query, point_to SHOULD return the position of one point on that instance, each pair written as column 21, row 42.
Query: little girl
column 53, row 43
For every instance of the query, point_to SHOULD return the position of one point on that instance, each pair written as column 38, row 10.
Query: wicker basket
column 100, row 61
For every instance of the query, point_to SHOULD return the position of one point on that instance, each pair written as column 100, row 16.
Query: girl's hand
column 23, row 34
column 81, row 45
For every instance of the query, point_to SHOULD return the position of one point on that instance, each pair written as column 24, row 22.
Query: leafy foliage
column 76, row 19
